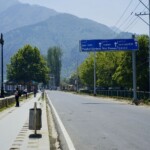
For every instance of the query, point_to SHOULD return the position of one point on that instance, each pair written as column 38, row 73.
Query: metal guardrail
column 141, row 95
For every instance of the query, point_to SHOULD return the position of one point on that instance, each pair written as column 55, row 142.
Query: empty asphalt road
column 102, row 124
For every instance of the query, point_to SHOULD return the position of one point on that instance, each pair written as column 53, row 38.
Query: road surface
column 102, row 124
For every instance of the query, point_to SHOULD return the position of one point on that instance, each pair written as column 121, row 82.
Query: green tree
column 106, row 65
column 54, row 62
column 86, row 70
column 143, row 63
column 28, row 65
column 123, row 74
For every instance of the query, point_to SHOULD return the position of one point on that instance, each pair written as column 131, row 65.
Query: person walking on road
column 17, row 97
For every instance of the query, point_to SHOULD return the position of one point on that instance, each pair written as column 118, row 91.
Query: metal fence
column 141, row 95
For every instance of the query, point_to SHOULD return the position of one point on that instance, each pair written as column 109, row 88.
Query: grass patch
column 9, row 106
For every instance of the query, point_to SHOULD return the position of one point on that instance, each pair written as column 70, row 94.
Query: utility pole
column 149, row 48
column 2, row 82
column 148, row 23
column 134, row 75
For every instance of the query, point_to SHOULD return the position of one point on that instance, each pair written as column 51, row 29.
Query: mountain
column 5, row 4
column 115, row 29
column 62, row 30
column 42, row 27
column 17, row 15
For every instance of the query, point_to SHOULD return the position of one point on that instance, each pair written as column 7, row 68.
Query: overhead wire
column 130, row 21
column 130, row 17
column 123, row 13
column 133, row 22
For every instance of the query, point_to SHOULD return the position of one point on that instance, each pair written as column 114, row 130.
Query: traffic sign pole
column 134, row 77
column 94, row 73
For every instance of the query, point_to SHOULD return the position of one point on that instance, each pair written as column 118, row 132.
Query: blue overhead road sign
column 108, row 45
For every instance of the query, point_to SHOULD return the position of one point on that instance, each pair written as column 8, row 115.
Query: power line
column 123, row 13
column 130, row 20
column 139, row 15
column 130, row 17
column 142, row 14
column 144, row 5
column 131, row 23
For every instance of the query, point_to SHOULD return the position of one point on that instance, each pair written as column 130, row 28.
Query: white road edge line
column 64, row 131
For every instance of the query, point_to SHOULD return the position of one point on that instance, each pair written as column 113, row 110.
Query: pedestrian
column 35, row 92
column 17, row 97
column 25, row 92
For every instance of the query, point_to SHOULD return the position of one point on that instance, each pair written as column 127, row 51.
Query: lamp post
column 2, row 43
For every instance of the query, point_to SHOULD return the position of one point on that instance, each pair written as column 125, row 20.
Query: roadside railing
column 8, row 101
column 141, row 95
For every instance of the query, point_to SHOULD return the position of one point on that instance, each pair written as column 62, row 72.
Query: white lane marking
column 64, row 131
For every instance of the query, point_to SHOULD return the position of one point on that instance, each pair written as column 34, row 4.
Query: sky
column 119, row 13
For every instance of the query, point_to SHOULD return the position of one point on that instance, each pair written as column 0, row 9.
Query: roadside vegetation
column 114, row 71
column 54, row 62
column 27, row 65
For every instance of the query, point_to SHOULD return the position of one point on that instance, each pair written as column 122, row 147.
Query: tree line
column 113, row 69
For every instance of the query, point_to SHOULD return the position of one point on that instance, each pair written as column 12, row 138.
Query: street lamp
column 2, row 43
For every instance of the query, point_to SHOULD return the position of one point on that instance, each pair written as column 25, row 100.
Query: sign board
column 108, row 45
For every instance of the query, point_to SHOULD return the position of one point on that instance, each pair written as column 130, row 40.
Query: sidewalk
column 14, row 127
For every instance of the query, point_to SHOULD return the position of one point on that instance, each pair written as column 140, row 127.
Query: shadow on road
column 103, row 104
column 35, row 136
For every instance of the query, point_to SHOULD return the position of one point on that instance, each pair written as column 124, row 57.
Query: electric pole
column 148, row 23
